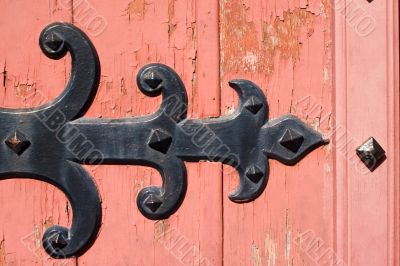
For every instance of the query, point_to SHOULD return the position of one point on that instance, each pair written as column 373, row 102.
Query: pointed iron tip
column 233, row 82
column 325, row 141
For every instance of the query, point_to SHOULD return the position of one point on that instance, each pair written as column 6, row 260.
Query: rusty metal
column 50, row 142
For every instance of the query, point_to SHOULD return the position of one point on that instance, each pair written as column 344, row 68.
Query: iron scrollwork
column 36, row 142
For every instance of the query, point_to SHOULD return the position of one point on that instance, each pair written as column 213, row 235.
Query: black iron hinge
column 50, row 142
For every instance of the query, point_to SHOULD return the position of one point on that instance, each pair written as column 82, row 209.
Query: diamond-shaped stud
column 58, row 241
column 160, row 141
column 54, row 42
column 253, row 104
column 371, row 153
column 18, row 142
column 291, row 140
column 254, row 174
column 152, row 79
column 152, row 202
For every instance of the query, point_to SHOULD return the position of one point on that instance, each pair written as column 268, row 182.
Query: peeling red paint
column 160, row 227
column 25, row 90
column 241, row 48
column 136, row 8
column 171, row 15
column 285, row 48
column 3, row 261
column 255, row 255
column 48, row 223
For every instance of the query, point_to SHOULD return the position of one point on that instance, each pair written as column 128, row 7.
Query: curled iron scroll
column 51, row 142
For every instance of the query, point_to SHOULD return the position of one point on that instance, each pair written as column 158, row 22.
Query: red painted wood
column 285, row 47
column 310, row 59
column 176, row 33
column 367, row 104
column 29, row 78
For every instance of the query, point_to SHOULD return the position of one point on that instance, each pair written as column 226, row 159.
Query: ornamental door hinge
column 51, row 142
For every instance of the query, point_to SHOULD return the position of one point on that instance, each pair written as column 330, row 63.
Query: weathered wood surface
column 286, row 47
column 182, row 34
column 309, row 61
column 367, row 204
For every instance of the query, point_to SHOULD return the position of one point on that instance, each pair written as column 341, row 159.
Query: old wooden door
column 334, row 64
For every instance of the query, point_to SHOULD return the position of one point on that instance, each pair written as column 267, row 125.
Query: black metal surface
column 30, row 147
column 51, row 142
column 371, row 153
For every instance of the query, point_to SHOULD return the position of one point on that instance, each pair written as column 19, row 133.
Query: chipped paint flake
column 251, row 60
column 288, row 238
column 270, row 250
column 136, row 8
column 160, row 227
column 171, row 15
column 2, row 253
column 255, row 255
column 25, row 90
column 48, row 223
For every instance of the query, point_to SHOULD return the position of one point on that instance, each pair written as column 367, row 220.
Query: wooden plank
column 184, row 35
column 29, row 79
column 285, row 47
column 146, row 32
column 367, row 90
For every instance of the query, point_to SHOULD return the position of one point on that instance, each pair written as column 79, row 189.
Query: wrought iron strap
column 51, row 142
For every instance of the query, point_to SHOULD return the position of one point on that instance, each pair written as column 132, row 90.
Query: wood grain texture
column 28, row 79
column 367, row 94
column 285, row 47
column 173, row 33
column 136, row 33
column 310, row 58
